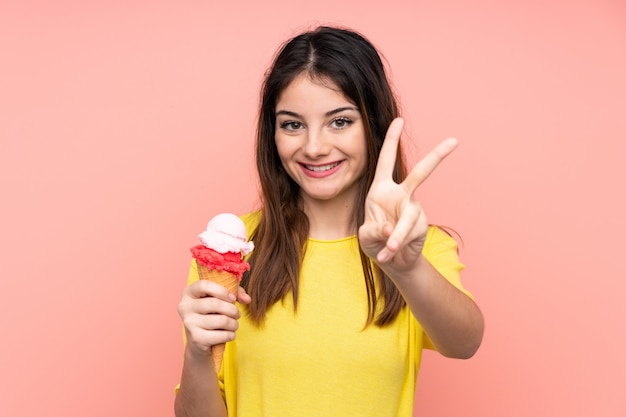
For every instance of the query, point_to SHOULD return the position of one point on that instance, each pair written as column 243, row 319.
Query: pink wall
column 120, row 123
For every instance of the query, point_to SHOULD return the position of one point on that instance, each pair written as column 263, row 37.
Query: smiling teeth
column 322, row 167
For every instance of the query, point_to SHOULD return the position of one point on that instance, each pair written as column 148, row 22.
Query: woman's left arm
column 450, row 318
column 393, row 236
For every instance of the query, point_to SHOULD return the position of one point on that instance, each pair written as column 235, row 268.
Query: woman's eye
column 341, row 123
column 291, row 125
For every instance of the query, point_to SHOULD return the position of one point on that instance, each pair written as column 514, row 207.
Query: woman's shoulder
column 251, row 221
column 439, row 238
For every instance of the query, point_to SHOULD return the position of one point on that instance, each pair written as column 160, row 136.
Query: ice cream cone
column 231, row 283
column 220, row 259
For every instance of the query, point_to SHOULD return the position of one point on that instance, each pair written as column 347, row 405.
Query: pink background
column 125, row 125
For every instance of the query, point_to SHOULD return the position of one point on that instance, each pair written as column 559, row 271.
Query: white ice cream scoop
column 226, row 233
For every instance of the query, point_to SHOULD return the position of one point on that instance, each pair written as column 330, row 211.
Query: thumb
column 242, row 296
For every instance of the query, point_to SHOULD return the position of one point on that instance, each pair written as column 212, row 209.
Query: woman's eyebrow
column 288, row 113
column 328, row 113
column 340, row 109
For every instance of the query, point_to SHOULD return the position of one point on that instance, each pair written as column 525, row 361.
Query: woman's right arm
column 210, row 317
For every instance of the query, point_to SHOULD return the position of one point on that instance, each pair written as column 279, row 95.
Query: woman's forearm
column 450, row 318
column 199, row 394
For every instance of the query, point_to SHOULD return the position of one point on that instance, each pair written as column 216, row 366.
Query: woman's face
column 320, row 139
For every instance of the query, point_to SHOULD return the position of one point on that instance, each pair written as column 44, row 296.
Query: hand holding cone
column 231, row 283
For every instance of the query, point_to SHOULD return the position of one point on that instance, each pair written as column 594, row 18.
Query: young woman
column 348, row 282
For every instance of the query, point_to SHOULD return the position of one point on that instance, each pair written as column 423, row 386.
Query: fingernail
column 231, row 297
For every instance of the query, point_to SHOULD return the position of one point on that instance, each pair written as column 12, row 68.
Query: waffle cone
column 231, row 283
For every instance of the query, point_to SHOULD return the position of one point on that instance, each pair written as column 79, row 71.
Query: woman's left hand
column 395, row 225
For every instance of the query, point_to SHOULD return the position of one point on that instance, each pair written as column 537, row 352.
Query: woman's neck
column 331, row 219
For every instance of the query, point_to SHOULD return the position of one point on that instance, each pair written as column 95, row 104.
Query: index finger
column 389, row 150
column 205, row 288
column 427, row 165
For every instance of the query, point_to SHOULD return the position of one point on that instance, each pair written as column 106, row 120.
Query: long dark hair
column 351, row 62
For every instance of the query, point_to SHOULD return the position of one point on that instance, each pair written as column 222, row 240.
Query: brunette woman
column 348, row 281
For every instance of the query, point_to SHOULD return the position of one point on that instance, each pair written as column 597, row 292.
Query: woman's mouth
column 321, row 171
column 321, row 168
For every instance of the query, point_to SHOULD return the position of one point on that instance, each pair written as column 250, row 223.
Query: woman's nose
column 316, row 144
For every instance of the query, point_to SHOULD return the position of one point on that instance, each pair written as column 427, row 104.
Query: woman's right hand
column 209, row 315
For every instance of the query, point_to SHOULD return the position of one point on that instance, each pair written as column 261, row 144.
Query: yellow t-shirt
column 319, row 360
